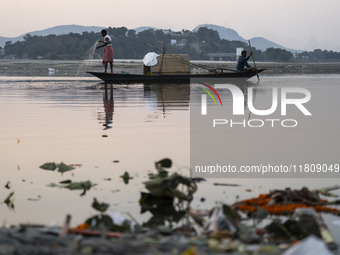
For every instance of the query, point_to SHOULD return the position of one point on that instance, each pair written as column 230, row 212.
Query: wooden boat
column 124, row 78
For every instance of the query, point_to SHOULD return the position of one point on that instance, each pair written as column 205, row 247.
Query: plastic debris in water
column 8, row 185
column 126, row 177
column 9, row 201
column 102, row 207
column 53, row 166
column 310, row 245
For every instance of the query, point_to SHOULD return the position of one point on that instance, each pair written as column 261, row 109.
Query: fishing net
column 86, row 61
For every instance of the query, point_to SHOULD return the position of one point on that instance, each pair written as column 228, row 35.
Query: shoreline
column 69, row 67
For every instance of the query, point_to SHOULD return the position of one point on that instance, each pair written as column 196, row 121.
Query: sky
column 295, row 24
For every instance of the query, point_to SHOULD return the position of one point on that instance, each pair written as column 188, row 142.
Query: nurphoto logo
column 239, row 99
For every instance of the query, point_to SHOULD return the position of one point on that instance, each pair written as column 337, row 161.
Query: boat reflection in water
column 168, row 97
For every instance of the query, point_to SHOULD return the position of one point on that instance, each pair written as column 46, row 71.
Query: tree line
column 321, row 55
column 130, row 45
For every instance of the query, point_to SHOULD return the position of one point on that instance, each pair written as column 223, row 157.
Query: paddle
column 253, row 61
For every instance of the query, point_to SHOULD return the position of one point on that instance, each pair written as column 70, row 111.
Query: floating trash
column 61, row 168
column 8, row 185
column 102, row 207
column 9, row 201
column 68, row 184
column 126, row 177
column 279, row 222
column 49, row 166
column 284, row 202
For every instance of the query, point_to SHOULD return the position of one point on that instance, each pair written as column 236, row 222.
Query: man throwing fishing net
column 108, row 51
column 243, row 61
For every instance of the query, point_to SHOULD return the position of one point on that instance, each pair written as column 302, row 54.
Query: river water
column 126, row 128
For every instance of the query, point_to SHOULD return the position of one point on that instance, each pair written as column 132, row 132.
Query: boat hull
column 139, row 78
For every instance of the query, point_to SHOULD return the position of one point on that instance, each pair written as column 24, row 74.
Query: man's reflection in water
column 108, row 102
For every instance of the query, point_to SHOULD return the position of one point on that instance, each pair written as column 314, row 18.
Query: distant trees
column 319, row 54
column 71, row 46
column 128, row 44
column 207, row 35
column 131, row 33
column 276, row 54
column 117, row 31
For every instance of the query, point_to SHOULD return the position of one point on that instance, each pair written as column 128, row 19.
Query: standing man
column 243, row 61
column 108, row 51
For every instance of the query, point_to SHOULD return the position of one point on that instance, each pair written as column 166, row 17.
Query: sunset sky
column 296, row 24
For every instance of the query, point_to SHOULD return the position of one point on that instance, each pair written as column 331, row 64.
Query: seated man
column 243, row 61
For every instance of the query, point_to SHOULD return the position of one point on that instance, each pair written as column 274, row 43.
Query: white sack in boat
column 150, row 59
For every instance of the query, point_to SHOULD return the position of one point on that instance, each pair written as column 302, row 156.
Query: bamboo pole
column 254, row 61
column 160, row 69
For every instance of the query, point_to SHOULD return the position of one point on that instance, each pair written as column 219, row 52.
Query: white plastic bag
column 150, row 59
column 309, row 246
